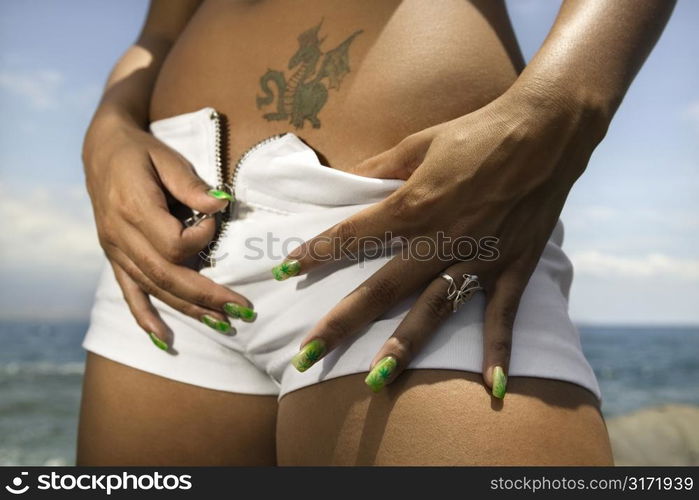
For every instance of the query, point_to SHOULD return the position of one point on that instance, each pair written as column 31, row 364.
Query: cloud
column 594, row 213
column 49, row 255
column 40, row 87
column 86, row 98
column 594, row 216
column 47, row 231
column 652, row 265
column 692, row 111
column 691, row 114
column 45, row 90
column 599, row 212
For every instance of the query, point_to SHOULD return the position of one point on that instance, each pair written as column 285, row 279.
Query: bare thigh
column 433, row 417
column 130, row 417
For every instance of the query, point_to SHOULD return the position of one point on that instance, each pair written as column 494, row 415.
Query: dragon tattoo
column 302, row 96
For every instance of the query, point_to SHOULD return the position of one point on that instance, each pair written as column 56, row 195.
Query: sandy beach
column 665, row 435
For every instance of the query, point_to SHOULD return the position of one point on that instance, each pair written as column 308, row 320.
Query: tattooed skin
column 305, row 92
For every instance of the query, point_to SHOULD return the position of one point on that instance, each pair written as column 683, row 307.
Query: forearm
column 127, row 94
column 126, row 97
column 594, row 51
column 128, row 90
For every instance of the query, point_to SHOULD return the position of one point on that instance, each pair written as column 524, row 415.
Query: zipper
column 227, row 181
column 215, row 117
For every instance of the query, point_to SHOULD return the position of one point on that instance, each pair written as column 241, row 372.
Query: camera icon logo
column 16, row 488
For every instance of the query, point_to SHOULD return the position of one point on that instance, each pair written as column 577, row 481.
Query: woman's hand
column 497, row 177
column 130, row 175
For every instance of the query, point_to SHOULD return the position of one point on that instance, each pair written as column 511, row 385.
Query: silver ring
column 195, row 219
column 462, row 294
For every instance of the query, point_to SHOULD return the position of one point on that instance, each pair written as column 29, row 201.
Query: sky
column 632, row 220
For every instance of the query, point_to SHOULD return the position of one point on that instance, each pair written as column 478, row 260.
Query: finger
column 172, row 239
column 393, row 282
column 500, row 312
column 146, row 209
column 183, row 283
column 213, row 319
column 399, row 216
column 182, row 182
column 368, row 229
column 142, row 310
column 424, row 318
column 400, row 161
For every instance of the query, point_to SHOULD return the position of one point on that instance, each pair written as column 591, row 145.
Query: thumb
column 183, row 183
column 400, row 161
column 500, row 313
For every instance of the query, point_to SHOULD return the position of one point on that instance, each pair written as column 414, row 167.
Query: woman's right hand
column 128, row 173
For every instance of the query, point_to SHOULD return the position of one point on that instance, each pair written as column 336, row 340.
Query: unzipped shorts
column 285, row 195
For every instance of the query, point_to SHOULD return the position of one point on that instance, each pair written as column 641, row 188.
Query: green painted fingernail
column 379, row 375
column 286, row 269
column 240, row 312
column 219, row 326
column 308, row 355
column 499, row 382
column 220, row 195
column 158, row 343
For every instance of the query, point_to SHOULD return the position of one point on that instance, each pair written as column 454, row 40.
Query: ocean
column 41, row 367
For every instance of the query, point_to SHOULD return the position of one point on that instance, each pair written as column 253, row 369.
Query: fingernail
column 308, row 355
column 220, row 195
column 158, row 343
column 219, row 326
column 379, row 375
column 499, row 382
column 286, row 269
column 240, row 312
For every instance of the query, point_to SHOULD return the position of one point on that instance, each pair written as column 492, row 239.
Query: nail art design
column 220, row 195
column 240, row 312
column 499, row 382
column 158, row 343
column 308, row 355
column 286, row 269
column 219, row 326
column 379, row 375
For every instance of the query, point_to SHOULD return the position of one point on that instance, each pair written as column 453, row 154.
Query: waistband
column 280, row 172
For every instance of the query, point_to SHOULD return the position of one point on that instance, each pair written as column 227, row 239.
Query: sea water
column 41, row 366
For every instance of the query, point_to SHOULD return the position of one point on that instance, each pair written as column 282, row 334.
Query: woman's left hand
column 497, row 177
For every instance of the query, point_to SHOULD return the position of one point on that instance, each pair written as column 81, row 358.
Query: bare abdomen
column 372, row 73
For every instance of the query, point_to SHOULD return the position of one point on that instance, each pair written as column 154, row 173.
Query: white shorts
column 284, row 195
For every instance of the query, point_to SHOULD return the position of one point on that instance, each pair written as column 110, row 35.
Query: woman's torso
column 364, row 74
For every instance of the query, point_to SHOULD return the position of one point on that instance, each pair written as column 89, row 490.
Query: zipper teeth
column 221, row 173
column 218, row 145
column 247, row 154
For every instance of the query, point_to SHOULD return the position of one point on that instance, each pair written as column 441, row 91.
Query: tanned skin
column 431, row 92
